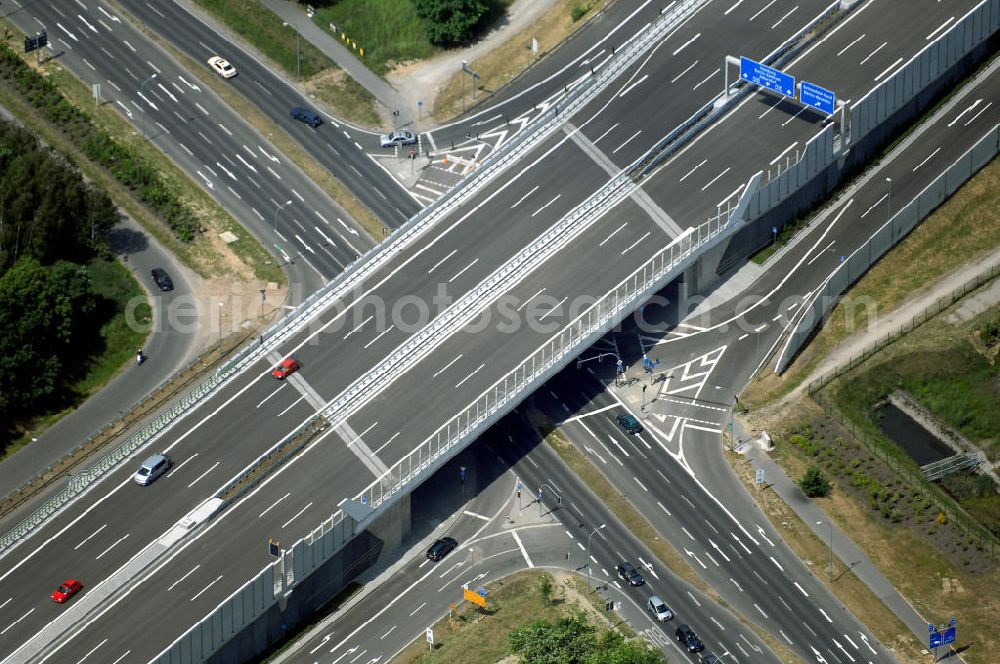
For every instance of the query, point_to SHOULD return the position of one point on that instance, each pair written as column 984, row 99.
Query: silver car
column 659, row 608
column 151, row 468
column 397, row 138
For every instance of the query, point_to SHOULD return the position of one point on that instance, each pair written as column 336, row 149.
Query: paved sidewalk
column 843, row 547
column 388, row 97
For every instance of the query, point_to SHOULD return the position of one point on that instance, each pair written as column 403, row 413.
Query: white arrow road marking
column 226, row 171
column 244, row 162
column 93, row 29
column 865, row 639
column 269, row 156
column 130, row 47
column 591, row 450
column 71, row 35
column 691, row 553
column 190, row 85
column 125, row 108
column 843, row 650
column 168, row 92
column 208, row 183
column 325, row 238
column 143, row 97
column 113, row 18
column 346, row 227
column 716, row 547
column 304, row 244
column 760, row 530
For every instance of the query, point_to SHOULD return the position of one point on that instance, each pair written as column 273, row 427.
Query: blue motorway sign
column 768, row 77
column 948, row 636
column 935, row 639
column 811, row 94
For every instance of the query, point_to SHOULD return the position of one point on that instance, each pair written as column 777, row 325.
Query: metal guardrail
column 356, row 272
column 587, row 88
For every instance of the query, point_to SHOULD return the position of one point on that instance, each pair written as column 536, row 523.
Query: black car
column 628, row 573
column 310, row 118
column 690, row 640
column 441, row 548
column 629, row 423
column 162, row 279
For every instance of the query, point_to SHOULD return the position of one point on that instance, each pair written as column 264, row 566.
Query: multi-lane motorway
column 116, row 519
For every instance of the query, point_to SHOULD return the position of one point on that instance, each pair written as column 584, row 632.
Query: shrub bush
column 814, row 483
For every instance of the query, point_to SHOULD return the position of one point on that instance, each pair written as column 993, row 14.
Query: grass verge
column 637, row 524
column 389, row 31
column 509, row 59
column 319, row 75
column 853, row 593
column 469, row 636
column 206, row 255
column 961, row 230
column 283, row 141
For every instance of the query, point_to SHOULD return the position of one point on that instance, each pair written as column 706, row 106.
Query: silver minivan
column 152, row 468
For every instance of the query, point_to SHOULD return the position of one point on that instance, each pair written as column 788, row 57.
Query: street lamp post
column 142, row 120
column 278, row 207
column 830, row 570
column 298, row 53
column 221, row 305
column 888, row 200
column 589, row 578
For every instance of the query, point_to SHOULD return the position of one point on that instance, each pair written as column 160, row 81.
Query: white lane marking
column 521, row 547
column 713, row 180
column 787, row 14
column 478, row 369
column 359, row 326
column 197, row 479
column 762, row 9
column 801, row 589
column 627, row 141
column 888, row 69
column 641, row 485
column 76, row 547
column 869, row 56
column 613, row 233
column 205, row 589
column 380, row 335
column 636, row 243
column 703, row 161
column 193, row 570
column 554, row 307
column 841, row 51
column 297, row 515
column 689, row 68
column 525, row 303
column 273, row 505
column 445, row 367
column 117, row 542
column 707, row 78
column 462, row 271
column 939, row 29
column 557, row 196
column 626, row 90
column 435, row 266
column 521, row 199
column 686, row 44
column 478, row 516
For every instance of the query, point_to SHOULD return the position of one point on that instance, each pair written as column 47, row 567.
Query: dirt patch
column 500, row 56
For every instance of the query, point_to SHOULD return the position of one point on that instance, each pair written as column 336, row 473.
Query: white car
column 222, row 67
column 397, row 138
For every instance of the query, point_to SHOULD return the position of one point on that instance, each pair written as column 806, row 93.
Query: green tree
column 42, row 313
column 814, row 483
column 612, row 648
column 566, row 641
column 450, row 22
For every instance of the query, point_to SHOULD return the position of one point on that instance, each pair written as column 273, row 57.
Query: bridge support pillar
column 393, row 526
column 699, row 279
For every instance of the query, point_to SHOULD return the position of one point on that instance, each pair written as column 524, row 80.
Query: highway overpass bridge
column 434, row 335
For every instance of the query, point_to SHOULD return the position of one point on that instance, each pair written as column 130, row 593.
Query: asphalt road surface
column 252, row 411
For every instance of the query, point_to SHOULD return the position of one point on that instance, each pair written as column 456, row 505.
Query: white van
column 152, row 468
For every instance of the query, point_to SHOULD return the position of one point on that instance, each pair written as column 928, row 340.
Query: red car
column 68, row 588
column 287, row 367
